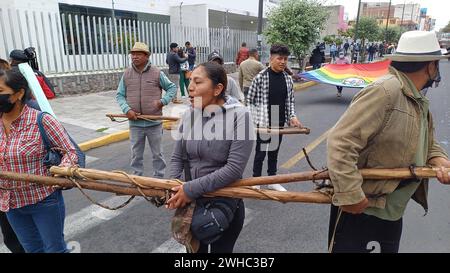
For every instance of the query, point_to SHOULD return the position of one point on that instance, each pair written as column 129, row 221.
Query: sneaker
column 257, row 187
column 276, row 187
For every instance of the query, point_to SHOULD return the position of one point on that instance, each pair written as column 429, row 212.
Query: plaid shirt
column 23, row 152
column 258, row 99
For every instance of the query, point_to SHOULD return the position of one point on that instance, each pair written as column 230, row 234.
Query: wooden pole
column 300, row 197
column 89, row 185
column 284, row 131
column 373, row 174
column 143, row 117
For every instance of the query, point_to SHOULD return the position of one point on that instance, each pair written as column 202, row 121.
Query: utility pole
column 260, row 27
column 403, row 13
column 387, row 21
column 357, row 22
column 113, row 12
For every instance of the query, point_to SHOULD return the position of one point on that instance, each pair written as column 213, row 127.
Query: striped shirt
column 23, row 151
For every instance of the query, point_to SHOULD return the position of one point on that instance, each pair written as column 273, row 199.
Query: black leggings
column 363, row 233
column 9, row 237
column 226, row 243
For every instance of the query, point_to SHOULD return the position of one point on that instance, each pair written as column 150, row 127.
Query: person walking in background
column 192, row 55
column 341, row 60
column 35, row 212
column 372, row 52
column 333, row 51
column 232, row 89
column 140, row 92
column 316, row 58
column 248, row 70
column 346, row 47
column 184, row 77
column 18, row 56
column 174, row 61
column 271, row 102
column 212, row 163
column 242, row 54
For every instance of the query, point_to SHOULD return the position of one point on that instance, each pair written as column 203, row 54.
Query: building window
column 100, row 31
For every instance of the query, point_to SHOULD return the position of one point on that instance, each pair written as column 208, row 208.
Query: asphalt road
column 270, row 226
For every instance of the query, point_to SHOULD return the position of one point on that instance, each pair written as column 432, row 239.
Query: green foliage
column 349, row 33
column 368, row 29
column 297, row 24
column 392, row 35
column 329, row 39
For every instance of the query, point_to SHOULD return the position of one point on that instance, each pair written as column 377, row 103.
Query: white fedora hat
column 417, row 46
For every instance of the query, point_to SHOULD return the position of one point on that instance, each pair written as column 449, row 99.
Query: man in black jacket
column 192, row 55
column 174, row 61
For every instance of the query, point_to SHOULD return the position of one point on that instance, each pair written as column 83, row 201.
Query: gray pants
column 137, row 138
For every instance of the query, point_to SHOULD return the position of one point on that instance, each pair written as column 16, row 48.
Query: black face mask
column 6, row 105
column 436, row 80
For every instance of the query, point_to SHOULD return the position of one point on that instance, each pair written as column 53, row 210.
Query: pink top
column 342, row 61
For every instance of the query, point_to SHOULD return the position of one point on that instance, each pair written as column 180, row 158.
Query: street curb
column 302, row 86
column 105, row 140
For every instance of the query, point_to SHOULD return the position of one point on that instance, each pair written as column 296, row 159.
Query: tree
column 368, row 30
column 329, row 39
column 297, row 24
column 392, row 35
column 349, row 33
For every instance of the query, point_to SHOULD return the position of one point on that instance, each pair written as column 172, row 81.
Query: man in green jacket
column 387, row 125
column 140, row 92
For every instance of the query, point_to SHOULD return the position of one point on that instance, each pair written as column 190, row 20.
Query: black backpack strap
column 44, row 136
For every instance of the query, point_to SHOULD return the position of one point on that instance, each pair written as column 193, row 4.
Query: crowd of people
column 370, row 134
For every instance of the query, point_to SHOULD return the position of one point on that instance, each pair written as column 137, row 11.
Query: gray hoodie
column 218, row 161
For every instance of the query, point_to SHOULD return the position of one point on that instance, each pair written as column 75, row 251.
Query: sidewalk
column 85, row 119
column 84, row 116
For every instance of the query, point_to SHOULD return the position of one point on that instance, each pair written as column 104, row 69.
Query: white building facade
column 90, row 35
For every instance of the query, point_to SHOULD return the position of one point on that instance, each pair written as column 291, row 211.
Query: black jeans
column 265, row 146
column 226, row 243
column 9, row 237
column 246, row 89
column 363, row 233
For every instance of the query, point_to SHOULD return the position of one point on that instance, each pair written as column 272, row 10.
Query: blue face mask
column 6, row 105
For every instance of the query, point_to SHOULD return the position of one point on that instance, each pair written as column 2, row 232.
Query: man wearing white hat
column 387, row 125
column 140, row 92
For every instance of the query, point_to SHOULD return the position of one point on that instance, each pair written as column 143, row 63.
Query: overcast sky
column 438, row 9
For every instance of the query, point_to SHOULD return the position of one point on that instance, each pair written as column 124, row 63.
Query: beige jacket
column 380, row 129
column 248, row 71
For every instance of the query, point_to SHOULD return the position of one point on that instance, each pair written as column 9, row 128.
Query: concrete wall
column 83, row 83
column 193, row 15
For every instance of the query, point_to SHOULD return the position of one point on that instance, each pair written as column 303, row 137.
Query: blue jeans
column 40, row 227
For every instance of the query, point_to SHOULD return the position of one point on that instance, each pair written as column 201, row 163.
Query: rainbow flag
column 348, row 75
